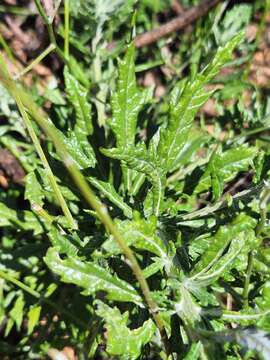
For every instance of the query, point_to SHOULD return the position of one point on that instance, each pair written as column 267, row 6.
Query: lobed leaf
column 214, row 262
column 33, row 318
column 77, row 95
column 186, row 100
column 25, row 220
column 109, row 191
column 91, row 277
column 121, row 341
column 141, row 234
column 127, row 102
column 223, row 167
column 33, row 190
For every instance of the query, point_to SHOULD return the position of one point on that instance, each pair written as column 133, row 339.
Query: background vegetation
column 134, row 173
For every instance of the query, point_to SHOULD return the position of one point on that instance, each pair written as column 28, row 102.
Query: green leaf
column 64, row 242
column 127, row 102
column 77, row 95
column 186, row 100
column 223, row 167
column 121, row 341
column 91, row 277
column 249, row 339
column 25, row 220
column 142, row 161
column 33, row 318
column 80, row 151
column 215, row 246
column 33, row 190
column 255, row 339
column 109, row 191
column 235, row 20
column 16, row 313
column 213, row 263
column 194, row 352
column 140, row 233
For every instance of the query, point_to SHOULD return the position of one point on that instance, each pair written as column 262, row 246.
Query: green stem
column 7, row 49
column 264, row 198
column 49, row 26
column 47, row 51
column 38, row 296
column 45, row 163
column 16, row 10
column 247, row 279
column 250, row 132
column 49, row 129
column 66, row 34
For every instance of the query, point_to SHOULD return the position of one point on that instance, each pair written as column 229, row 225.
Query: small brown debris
column 10, row 169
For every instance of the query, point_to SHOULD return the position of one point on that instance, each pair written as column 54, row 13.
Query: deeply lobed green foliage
column 203, row 252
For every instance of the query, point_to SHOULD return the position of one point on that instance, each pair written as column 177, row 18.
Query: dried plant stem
column 175, row 24
column 55, row 187
column 91, row 199
column 49, row 24
column 66, row 46
column 37, row 60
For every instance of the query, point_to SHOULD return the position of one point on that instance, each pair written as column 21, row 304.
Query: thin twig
column 57, row 192
column 178, row 23
column 37, row 60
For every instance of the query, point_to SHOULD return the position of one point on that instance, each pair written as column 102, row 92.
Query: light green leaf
column 91, row 277
column 215, row 246
column 80, row 150
column 194, row 352
column 185, row 103
column 127, row 102
column 235, row 20
column 25, row 220
column 77, row 95
column 16, row 313
column 33, row 190
column 221, row 252
column 109, row 191
column 255, row 339
column 64, row 242
column 249, row 339
column 142, row 161
column 141, row 234
column 33, row 318
column 157, row 265
column 241, row 242
column 121, row 341
column 223, row 167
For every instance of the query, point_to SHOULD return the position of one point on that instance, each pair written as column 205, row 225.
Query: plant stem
column 49, row 26
column 37, row 60
column 66, row 29
column 247, row 279
column 55, row 187
column 16, row 10
column 50, row 130
column 7, row 49
column 37, row 295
